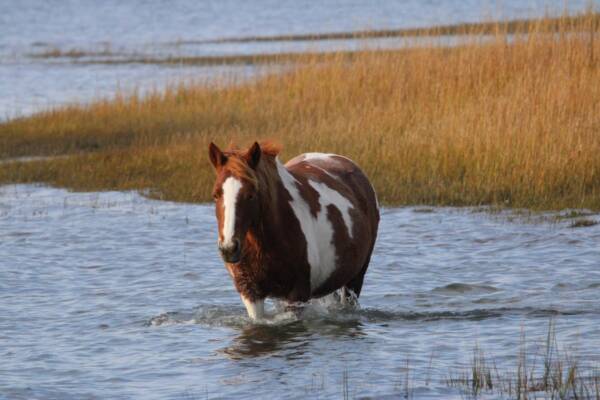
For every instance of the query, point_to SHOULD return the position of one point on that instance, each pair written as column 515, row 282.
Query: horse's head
column 236, row 197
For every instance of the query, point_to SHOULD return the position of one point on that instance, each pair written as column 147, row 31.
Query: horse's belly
column 342, row 264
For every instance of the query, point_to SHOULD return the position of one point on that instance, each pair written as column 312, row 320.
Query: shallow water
column 156, row 28
column 112, row 295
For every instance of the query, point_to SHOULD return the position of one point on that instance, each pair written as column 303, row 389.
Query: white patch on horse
column 317, row 156
column 318, row 231
column 324, row 157
column 256, row 310
column 328, row 196
column 231, row 189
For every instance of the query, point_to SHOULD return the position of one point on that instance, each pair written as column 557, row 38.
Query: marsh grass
column 553, row 374
column 543, row 370
column 510, row 121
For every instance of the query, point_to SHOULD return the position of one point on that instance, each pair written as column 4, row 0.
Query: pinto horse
column 296, row 231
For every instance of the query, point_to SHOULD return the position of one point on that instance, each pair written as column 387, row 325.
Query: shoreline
column 563, row 24
column 551, row 24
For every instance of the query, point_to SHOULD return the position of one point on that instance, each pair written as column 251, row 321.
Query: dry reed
column 560, row 375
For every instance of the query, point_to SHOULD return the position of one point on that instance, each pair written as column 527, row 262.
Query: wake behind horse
column 296, row 231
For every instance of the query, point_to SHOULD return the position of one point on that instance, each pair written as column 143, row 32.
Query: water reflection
column 289, row 341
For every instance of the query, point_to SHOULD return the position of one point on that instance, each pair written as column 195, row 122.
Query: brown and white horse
column 296, row 231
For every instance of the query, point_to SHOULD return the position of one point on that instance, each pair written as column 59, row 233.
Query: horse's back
column 341, row 174
column 336, row 186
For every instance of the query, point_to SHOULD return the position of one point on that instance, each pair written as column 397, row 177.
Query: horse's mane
column 238, row 166
column 270, row 148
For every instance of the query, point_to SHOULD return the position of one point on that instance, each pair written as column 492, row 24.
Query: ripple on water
column 461, row 288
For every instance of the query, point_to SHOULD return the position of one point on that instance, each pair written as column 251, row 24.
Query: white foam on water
column 277, row 312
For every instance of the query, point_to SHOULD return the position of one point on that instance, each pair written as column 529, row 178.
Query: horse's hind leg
column 355, row 285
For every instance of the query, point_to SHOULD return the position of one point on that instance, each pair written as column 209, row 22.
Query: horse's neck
column 271, row 245
column 271, row 227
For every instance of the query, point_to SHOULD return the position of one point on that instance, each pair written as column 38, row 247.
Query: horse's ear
column 253, row 155
column 217, row 158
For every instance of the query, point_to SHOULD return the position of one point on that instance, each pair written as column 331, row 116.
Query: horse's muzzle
column 232, row 252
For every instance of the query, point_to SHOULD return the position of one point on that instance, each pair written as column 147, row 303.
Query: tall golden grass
column 513, row 119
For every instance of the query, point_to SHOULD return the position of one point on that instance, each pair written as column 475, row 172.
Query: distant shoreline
column 469, row 30
column 509, row 26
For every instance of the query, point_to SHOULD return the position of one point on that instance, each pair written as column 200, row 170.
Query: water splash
column 278, row 312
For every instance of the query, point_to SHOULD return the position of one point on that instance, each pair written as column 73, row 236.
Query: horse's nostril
column 232, row 248
column 231, row 252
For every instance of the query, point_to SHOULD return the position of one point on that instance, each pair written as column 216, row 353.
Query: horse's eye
column 252, row 196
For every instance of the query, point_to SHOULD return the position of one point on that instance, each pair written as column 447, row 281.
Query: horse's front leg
column 256, row 309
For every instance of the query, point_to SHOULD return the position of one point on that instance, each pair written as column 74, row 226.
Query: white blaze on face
column 231, row 188
column 318, row 232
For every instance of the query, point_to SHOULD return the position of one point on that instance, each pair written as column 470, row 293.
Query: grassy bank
column 512, row 121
